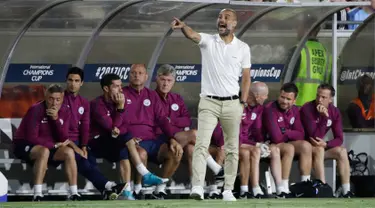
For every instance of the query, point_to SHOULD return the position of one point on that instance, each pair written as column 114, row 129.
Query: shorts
column 22, row 151
column 152, row 147
column 109, row 148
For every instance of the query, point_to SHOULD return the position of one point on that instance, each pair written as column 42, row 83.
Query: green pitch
column 251, row 203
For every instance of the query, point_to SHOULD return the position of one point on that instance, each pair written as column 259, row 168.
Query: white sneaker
column 228, row 196
column 197, row 193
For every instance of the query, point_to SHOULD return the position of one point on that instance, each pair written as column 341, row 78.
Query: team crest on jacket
column 174, row 107
column 292, row 120
column 146, row 102
column 61, row 121
column 128, row 101
column 81, row 110
column 253, row 116
column 329, row 122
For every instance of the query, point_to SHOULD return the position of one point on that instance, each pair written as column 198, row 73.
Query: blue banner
column 94, row 72
column 37, row 72
column 185, row 72
column 349, row 75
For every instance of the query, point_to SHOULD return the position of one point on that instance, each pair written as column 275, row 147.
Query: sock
column 211, row 163
column 142, row 169
column 128, row 187
column 285, row 184
column 38, row 190
column 160, row 188
column 280, row 188
column 244, row 189
column 305, row 177
column 74, row 190
column 257, row 190
column 109, row 185
column 137, row 188
column 213, row 187
column 345, row 188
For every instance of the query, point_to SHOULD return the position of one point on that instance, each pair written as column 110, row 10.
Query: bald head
column 258, row 92
column 259, row 88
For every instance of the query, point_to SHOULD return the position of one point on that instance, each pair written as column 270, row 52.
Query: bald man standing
column 224, row 59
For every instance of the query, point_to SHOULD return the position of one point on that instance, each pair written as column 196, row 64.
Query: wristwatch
column 120, row 110
column 243, row 103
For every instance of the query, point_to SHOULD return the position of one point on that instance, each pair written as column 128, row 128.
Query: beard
column 226, row 32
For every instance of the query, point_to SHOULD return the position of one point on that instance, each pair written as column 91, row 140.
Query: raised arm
column 186, row 30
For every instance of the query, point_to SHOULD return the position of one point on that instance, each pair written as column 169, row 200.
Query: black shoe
column 348, row 195
column 260, row 196
column 220, row 175
column 246, row 195
column 37, row 198
column 114, row 193
column 284, row 195
column 139, row 196
column 74, row 197
column 159, row 195
column 214, row 195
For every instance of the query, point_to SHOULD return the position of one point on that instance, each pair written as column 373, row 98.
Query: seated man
column 252, row 146
column 216, row 151
column 176, row 110
column 79, row 109
column 318, row 117
column 144, row 114
column 281, row 121
column 361, row 110
column 178, row 114
column 42, row 140
column 110, row 133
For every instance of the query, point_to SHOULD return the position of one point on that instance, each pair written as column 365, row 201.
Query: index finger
column 176, row 19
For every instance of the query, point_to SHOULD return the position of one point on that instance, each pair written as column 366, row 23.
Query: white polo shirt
column 222, row 65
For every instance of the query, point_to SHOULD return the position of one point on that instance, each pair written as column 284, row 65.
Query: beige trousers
column 229, row 114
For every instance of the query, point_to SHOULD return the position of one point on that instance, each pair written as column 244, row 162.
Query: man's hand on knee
column 176, row 148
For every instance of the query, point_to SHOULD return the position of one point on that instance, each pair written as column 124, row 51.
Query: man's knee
column 68, row 153
column 287, row 150
column 189, row 149
column 275, row 151
column 342, row 153
column 304, row 147
column 244, row 154
column 318, row 152
column 255, row 153
column 41, row 153
column 142, row 154
column 192, row 136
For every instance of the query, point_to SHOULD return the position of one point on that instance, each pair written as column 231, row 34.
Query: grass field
column 251, row 203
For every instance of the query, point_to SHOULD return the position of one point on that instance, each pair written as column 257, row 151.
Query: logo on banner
column 121, row 71
column 352, row 74
column 183, row 72
column 270, row 73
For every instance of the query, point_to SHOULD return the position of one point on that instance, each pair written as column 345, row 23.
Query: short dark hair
column 76, row 70
column 326, row 86
column 55, row 88
column 290, row 87
column 108, row 79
